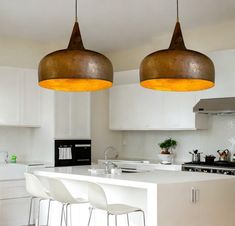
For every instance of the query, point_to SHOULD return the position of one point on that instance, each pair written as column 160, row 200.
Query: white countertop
column 140, row 180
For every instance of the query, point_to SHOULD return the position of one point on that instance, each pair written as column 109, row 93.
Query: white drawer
column 13, row 189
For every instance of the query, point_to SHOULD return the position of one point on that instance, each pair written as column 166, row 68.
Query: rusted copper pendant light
column 177, row 68
column 75, row 68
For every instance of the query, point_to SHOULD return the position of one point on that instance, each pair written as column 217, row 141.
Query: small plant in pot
column 166, row 146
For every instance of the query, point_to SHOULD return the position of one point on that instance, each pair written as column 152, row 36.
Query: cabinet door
column 72, row 115
column 80, row 115
column 10, row 96
column 178, row 110
column 135, row 108
column 213, row 205
column 175, row 205
column 30, row 98
column 62, row 115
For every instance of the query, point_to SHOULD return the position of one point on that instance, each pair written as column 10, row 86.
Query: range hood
column 216, row 106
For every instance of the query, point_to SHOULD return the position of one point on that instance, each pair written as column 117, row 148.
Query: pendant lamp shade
column 75, row 68
column 177, row 68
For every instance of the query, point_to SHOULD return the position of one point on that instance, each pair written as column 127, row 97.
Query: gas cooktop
column 216, row 164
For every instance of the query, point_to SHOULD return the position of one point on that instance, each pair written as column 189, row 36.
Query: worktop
column 143, row 179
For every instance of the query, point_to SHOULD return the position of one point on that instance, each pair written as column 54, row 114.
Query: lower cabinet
column 196, row 204
column 14, row 203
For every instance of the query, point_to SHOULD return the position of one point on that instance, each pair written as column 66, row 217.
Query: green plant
column 167, row 144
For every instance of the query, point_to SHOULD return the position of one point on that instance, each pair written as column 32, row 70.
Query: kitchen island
column 169, row 198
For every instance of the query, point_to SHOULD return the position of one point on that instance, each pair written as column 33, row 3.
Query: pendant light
column 177, row 68
column 75, row 68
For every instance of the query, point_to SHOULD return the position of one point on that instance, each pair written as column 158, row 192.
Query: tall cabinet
column 72, row 115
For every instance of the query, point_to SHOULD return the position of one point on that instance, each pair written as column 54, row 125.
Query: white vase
column 166, row 158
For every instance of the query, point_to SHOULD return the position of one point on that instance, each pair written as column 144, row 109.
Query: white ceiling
column 107, row 25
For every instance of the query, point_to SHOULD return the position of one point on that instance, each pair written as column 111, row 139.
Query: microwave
column 72, row 152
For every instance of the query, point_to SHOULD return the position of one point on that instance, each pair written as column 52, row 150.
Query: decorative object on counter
column 13, row 158
column 224, row 155
column 210, row 159
column 75, row 68
column 196, row 156
column 177, row 68
column 166, row 155
column 3, row 156
column 233, row 158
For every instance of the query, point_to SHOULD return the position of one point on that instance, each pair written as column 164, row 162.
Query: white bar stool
column 36, row 189
column 60, row 193
column 98, row 200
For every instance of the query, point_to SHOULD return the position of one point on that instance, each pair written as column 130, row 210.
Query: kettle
column 223, row 155
column 196, row 156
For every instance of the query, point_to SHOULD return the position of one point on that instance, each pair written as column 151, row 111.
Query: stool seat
column 118, row 209
column 79, row 200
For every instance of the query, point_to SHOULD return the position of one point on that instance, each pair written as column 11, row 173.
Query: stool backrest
column 96, row 196
column 35, row 187
column 59, row 192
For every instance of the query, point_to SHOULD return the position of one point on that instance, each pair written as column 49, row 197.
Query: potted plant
column 166, row 155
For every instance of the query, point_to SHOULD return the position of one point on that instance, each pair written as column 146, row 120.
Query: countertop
column 140, row 180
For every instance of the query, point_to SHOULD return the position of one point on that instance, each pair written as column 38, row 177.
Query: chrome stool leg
column 61, row 217
column 91, row 210
column 39, row 205
column 127, row 217
column 107, row 219
column 30, row 209
column 48, row 211
column 143, row 216
column 115, row 220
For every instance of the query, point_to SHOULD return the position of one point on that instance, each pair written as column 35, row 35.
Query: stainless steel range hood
column 216, row 106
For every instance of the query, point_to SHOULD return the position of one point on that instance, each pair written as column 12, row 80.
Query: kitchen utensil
column 196, row 156
column 223, row 155
column 210, row 159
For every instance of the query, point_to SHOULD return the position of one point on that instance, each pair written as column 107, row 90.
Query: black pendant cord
column 177, row 4
column 76, row 11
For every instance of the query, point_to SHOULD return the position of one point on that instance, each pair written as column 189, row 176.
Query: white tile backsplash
column 144, row 144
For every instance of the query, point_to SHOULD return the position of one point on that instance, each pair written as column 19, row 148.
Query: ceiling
column 107, row 25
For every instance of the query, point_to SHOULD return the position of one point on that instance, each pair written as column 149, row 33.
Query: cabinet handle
column 192, row 195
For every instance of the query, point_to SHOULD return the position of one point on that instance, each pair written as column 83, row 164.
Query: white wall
column 101, row 136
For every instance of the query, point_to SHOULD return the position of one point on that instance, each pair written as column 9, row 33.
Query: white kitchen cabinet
column 19, row 97
column 14, row 203
column 133, row 107
column 195, row 203
column 72, row 115
column 30, row 111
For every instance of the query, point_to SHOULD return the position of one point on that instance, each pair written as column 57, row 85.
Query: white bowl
column 166, row 158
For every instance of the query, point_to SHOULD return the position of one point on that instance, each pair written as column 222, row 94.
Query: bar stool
column 36, row 189
column 60, row 193
column 98, row 200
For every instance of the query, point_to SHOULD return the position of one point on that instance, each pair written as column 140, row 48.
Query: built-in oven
column 72, row 152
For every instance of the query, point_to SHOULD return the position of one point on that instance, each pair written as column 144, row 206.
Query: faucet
column 107, row 150
column 6, row 156
column 109, row 164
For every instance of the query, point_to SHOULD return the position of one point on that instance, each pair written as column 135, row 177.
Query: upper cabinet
column 19, row 97
column 135, row 108
column 72, row 115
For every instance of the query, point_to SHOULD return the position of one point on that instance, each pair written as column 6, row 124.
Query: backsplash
column 144, row 144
